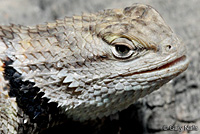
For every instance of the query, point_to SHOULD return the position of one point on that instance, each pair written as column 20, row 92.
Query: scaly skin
column 84, row 67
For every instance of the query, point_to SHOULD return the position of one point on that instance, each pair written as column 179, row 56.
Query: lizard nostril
column 168, row 47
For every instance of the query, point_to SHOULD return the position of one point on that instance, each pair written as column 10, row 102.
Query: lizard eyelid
column 123, row 46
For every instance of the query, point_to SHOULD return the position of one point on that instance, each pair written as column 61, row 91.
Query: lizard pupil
column 122, row 49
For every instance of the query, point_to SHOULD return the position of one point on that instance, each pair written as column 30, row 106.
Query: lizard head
column 136, row 53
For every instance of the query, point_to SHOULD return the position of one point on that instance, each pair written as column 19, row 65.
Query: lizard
column 84, row 67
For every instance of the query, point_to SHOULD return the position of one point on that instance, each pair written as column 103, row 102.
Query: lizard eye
column 122, row 50
column 124, row 47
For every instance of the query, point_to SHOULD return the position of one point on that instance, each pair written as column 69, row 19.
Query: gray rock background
column 177, row 103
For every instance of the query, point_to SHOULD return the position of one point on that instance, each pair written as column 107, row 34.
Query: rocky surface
column 177, row 103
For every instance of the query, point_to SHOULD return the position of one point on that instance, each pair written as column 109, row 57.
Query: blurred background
column 177, row 103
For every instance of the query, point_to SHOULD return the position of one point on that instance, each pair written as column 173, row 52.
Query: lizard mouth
column 182, row 61
column 177, row 66
column 166, row 71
